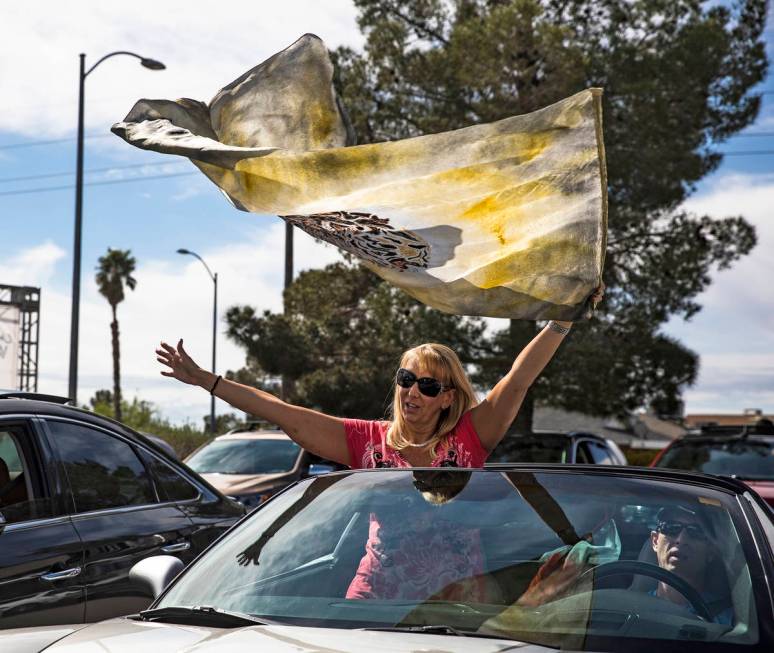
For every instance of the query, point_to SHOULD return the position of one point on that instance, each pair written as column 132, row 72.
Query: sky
column 153, row 204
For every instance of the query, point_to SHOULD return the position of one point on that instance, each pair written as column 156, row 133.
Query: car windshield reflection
column 245, row 456
column 747, row 459
column 549, row 557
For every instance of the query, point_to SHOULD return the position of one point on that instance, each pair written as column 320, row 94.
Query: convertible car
column 527, row 557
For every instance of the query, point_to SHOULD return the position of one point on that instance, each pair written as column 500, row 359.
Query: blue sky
column 155, row 216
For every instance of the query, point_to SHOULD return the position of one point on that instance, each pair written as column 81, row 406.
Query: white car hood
column 26, row 640
column 128, row 636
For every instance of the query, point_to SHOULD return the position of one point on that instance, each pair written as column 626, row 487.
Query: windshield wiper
column 202, row 615
column 432, row 629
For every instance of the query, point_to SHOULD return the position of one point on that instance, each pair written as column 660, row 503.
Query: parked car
column 82, row 499
column 253, row 465
column 560, row 447
column 474, row 548
column 746, row 453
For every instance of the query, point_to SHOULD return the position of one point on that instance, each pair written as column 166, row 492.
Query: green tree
column 678, row 78
column 340, row 338
column 114, row 270
column 143, row 416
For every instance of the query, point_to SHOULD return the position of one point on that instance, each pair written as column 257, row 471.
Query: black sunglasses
column 674, row 528
column 427, row 385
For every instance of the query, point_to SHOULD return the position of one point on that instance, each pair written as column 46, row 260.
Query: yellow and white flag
column 506, row 219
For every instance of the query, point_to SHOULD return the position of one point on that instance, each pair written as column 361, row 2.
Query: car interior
column 510, row 570
column 14, row 488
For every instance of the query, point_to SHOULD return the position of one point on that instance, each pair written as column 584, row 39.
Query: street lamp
column 214, row 278
column 148, row 63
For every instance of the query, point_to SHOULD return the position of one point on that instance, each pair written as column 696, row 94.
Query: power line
column 53, row 141
column 95, row 183
column 90, row 170
column 72, row 138
column 185, row 174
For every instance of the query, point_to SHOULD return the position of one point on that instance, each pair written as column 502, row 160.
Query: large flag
column 506, row 219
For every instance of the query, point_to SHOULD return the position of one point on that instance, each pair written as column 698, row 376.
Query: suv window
column 172, row 486
column 20, row 499
column 104, row 472
column 750, row 459
column 582, row 454
column 600, row 454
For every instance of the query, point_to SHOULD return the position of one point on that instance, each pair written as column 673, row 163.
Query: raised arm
column 316, row 432
column 492, row 417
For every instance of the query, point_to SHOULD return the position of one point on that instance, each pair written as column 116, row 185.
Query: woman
column 437, row 422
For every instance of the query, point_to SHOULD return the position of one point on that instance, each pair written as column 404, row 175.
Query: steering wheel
column 619, row 567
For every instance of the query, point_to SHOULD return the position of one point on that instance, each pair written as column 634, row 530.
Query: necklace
column 415, row 444
column 422, row 444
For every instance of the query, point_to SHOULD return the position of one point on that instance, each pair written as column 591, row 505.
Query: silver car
column 517, row 557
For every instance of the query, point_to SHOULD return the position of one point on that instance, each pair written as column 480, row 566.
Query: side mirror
column 315, row 469
column 155, row 573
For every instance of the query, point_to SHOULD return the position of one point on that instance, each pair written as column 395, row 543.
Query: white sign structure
column 9, row 347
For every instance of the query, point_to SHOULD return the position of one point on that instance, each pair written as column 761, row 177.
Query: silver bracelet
column 554, row 326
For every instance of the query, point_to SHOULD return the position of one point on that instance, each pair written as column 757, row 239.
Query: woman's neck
column 419, row 433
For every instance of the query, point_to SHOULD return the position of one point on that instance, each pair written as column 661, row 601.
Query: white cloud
column 203, row 46
column 173, row 299
column 32, row 267
column 741, row 290
column 734, row 332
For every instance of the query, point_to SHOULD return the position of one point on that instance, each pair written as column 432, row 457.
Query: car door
column 116, row 512
column 41, row 555
column 211, row 514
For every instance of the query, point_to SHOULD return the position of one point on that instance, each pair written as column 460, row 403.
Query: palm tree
column 114, row 270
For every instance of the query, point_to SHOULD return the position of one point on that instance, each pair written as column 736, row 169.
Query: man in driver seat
column 682, row 545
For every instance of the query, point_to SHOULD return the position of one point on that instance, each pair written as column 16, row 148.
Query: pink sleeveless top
column 367, row 442
column 410, row 556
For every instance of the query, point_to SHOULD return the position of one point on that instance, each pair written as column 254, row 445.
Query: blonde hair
column 444, row 364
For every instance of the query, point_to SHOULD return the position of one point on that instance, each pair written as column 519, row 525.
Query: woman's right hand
column 180, row 364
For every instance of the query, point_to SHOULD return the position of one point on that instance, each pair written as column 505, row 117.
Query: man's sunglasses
column 427, row 385
column 674, row 528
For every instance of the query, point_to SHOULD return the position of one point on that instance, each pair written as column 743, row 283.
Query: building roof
column 748, row 417
column 640, row 430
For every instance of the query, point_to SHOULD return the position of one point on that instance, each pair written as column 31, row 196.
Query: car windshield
column 563, row 559
column 743, row 458
column 245, row 456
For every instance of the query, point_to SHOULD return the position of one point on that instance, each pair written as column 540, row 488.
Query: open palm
column 181, row 366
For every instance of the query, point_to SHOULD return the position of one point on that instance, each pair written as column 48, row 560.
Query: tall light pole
column 214, row 278
column 287, row 385
column 72, row 391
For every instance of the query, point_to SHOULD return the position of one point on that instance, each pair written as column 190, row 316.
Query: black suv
column 745, row 452
column 82, row 499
